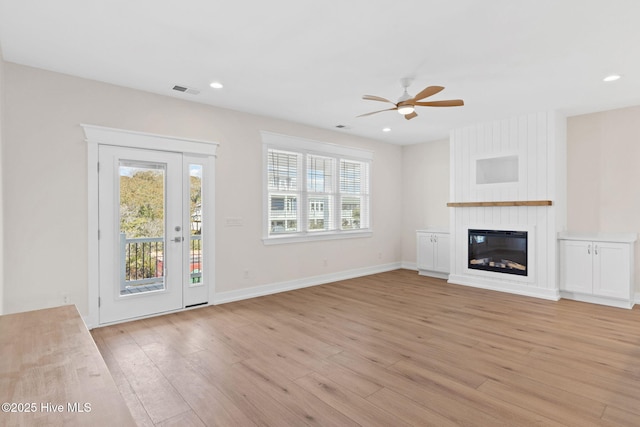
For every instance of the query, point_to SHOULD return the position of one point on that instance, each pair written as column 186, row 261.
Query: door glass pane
column 142, row 230
column 195, row 212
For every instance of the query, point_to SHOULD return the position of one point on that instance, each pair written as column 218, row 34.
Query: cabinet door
column 441, row 253
column 611, row 270
column 425, row 256
column 576, row 266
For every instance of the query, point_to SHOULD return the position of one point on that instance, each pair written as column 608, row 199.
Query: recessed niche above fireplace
column 500, row 251
column 497, row 170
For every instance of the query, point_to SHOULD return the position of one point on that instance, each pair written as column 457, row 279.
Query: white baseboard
column 637, row 298
column 512, row 288
column 593, row 299
column 414, row 266
column 274, row 288
column 436, row 274
column 409, row 265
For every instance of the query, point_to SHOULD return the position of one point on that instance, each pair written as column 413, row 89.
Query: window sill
column 297, row 238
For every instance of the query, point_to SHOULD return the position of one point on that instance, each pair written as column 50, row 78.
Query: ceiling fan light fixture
column 405, row 109
column 407, row 104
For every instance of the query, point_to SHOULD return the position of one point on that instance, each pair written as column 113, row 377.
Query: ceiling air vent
column 185, row 89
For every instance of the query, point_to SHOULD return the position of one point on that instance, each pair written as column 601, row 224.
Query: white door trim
column 96, row 135
column 151, row 141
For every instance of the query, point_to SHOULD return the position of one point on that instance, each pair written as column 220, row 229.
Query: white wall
column 425, row 184
column 46, row 200
column 603, row 174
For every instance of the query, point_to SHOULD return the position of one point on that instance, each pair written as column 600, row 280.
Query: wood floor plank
column 620, row 417
column 361, row 411
column 136, row 408
column 302, row 403
column 348, row 379
column 393, row 348
column 210, row 404
column 408, row 410
column 186, row 419
column 157, row 395
column 562, row 407
column 461, row 405
column 332, row 332
column 257, row 405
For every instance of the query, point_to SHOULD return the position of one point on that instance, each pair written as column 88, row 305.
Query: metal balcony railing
column 142, row 263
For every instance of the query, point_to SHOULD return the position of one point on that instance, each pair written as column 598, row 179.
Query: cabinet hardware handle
column 595, row 248
column 589, row 249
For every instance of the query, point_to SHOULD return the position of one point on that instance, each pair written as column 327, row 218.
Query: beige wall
column 425, row 184
column 603, row 150
column 46, row 200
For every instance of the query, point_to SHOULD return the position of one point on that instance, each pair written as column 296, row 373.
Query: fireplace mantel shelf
column 507, row 203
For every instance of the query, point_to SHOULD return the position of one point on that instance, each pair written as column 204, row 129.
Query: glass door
column 142, row 235
column 196, row 217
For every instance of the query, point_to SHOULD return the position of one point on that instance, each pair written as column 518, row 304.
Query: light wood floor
column 391, row 349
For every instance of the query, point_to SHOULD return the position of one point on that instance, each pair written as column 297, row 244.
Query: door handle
column 178, row 239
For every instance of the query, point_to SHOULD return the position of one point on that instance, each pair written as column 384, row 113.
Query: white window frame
column 305, row 147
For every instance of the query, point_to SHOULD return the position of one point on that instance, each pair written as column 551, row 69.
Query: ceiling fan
column 406, row 103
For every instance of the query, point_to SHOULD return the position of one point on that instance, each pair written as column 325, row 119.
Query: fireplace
column 501, row 251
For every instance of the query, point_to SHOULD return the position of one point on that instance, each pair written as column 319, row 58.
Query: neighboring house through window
column 314, row 190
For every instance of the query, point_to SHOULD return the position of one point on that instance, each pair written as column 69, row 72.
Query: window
column 314, row 190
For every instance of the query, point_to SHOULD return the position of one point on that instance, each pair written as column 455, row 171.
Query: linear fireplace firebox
column 501, row 251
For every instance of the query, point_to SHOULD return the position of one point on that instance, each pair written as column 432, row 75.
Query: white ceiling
column 311, row 61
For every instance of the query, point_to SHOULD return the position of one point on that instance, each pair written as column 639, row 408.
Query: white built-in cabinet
column 598, row 268
column 433, row 253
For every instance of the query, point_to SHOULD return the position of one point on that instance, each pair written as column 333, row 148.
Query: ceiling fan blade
column 376, row 98
column 411, row 115
column 427, row 92
column 448, row 103
column 374, row 112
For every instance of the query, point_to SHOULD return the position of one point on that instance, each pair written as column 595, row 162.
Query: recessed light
column 611, row 78
column 386, row 130
column 216, row 85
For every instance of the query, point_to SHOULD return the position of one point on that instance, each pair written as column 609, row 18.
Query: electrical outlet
column 326, row 263
column 246, row 274
column 65, row 299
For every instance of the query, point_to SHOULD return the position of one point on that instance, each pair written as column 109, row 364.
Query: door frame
column 97, row 135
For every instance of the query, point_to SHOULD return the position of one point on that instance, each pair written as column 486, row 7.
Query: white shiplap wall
column 539, row 142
